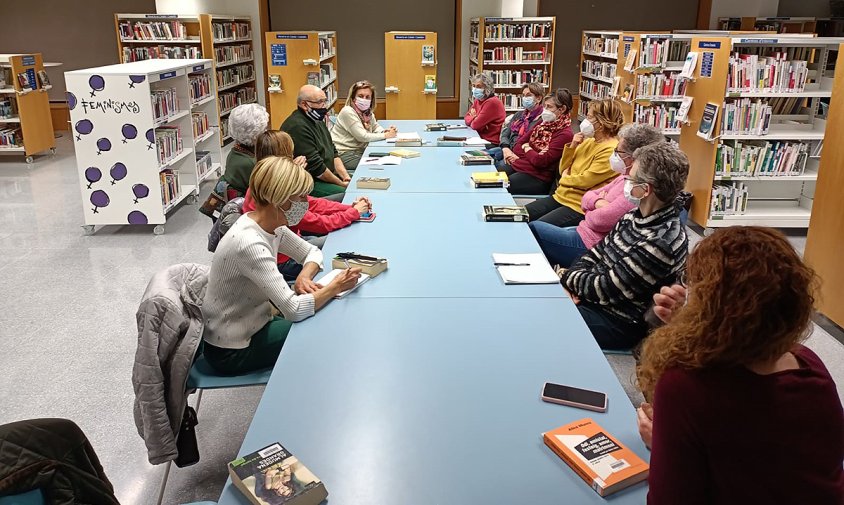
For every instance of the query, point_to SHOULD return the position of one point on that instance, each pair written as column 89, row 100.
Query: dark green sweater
column 239, row 168
column 312, row 140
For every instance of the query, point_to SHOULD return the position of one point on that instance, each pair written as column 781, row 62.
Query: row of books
column 728, row 199
column 761, row 159
column 518, row 31
column 598, row 68
column 582, row 107
column 331, row 94
column 776, row 73
column 326, row 73
column 224, row 55
column 165, row 103
column 511, row 100
column 661, row 116
column 224, row 129
column 517, row 77
column 596, row 89
column 231, row 30
column 139, row 30
column 600, row 45
column 791, row 53
column 8, row 108
column 131, row 54
column 199, row 121
column 229, row 101
column 514, row 54
column 746, row 117
column 230, row 76
column 663, row 85
column 10, row 137
column 326, row 46
column 200, row 86
column 473, row 52
column 170, row 186
column 168, row 143
column 658, row 52
column 203, row 162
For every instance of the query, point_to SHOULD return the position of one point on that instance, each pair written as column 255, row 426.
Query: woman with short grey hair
column 245, row 122
column 486, row 115
column 613, row 284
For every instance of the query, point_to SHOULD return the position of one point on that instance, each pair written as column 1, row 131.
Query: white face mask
column 548, row 116
column 296, row 212
column 617, row 164
column 363, row 103
column 628, row 192
column 587, row 129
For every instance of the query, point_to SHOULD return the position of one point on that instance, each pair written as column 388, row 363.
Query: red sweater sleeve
column 554, row 151
column 324, row 216
column 468, row 118
column 490, row 112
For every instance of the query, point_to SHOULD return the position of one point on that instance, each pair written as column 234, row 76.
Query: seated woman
column 613, row 282
column 356, row 125
column 602, row 207
column 245, row 123
column 241, row 335
column 486, row 115
column 585, row 165
column 517, row 130
column 323, row 215
column 533, row 161
column 735, row 398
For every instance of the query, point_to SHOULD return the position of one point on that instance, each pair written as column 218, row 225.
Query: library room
column 458, row 252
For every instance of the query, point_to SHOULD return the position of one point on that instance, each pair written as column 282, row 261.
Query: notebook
column 524, row 269
column 405, row 137
column 327, row 278
column 382, row 160
column 475, row 141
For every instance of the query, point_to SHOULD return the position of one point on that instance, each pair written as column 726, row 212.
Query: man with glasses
column 311, row 139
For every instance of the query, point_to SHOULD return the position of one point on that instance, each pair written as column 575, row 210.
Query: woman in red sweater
column 486, row 115
column 533, row 164
column 742, row 412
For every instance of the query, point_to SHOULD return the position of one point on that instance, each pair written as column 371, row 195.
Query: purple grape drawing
column 83, row 127
column 129, row 132
column 92, row 175
column 99, row 199
column 97, row 83
column 140, row 191
column 103, row 145
column 150, row 138
column 136, row 79
column 71, row 100
column 137, row 217
column 118, row 172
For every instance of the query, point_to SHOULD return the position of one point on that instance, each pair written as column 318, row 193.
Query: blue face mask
column 527, row 102
column 477, row 93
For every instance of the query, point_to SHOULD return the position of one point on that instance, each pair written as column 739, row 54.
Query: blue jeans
column 562, row 246
column 497, row 154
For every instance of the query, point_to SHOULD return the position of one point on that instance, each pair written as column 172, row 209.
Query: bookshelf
column 146, row 136
column 410, row 75
column 598, row 60
column 149, row 36
column 783, row 24
column 513, row 52
column 762, row 163
column 26, row 128
column 295, row 59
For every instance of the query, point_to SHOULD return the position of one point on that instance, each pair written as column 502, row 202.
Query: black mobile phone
column 378, row 155
column 574, row 397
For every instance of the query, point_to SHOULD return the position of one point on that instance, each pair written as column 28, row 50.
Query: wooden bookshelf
column 781, row 200
column 137, row 165
column 26, row 127
column 410, row 80
column 140, row 37
column 294, row 58
column 488, row 42
column 783, row 24
column 598, row 61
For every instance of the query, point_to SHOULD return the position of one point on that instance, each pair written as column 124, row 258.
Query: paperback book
column 490, row 179
column 428, row 54
column 373, row 183
column 475, row 158
column 274, row 476
column 707, row 121
column 505, row 213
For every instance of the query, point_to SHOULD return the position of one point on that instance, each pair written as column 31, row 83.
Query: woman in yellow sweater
column 585, row 165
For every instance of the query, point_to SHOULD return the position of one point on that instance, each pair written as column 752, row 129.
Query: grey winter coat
column 169, row 332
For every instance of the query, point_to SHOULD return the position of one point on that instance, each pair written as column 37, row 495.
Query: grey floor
column 67, row 328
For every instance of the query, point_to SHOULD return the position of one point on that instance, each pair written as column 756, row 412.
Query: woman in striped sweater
column 241, row 335
column 613, row 282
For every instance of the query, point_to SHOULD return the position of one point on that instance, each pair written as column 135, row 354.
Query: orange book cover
column 602, row 461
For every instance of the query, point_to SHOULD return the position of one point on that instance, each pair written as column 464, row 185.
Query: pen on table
column 376, row 168
column 347, row 263
column 512, row 264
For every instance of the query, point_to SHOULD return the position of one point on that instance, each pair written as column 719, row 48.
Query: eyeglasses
column 622, row 153
column 635, row 180
column 318, row 102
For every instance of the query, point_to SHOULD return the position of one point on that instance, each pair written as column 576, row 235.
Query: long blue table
column 436, row 401
column 417, row 125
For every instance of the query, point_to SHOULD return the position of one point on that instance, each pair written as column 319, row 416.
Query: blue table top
column 437, row 401
column 438, row 245
column 418, row 126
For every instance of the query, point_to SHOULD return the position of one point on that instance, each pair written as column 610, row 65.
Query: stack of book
column 170, row 187
column 761, row 159
column 505, row 213
column 229, row 31
column 475, row 158
column 776, row 73
column 168, row 143
column 199, row 120
column 170, row 30
column 200, row 87
column 746, row 117
column 232, row 54
column 165, row 103
column 490, row 179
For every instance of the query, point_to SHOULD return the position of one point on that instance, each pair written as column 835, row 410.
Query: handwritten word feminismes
column 116, row 106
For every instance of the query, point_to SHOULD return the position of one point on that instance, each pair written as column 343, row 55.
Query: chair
column 34, row 497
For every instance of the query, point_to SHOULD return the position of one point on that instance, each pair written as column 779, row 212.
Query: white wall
column 740, row 8
column 230, row 8
column 512, row 8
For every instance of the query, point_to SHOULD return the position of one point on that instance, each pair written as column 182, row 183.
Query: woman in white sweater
column 356, row 125
column 241, row 333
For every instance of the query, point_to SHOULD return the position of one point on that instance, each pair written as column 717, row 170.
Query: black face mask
column 318, row 114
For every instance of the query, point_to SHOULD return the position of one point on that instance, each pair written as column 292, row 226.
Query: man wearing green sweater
column 311, row 139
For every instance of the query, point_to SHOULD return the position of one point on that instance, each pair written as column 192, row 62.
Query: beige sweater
column 349, row 134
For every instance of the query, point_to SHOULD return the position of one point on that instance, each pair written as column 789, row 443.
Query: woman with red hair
column 741, row 411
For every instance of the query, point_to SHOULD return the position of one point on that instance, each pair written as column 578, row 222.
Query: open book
column 524, row 269
column 326, row 279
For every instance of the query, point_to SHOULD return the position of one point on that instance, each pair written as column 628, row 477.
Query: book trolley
column 26, row 128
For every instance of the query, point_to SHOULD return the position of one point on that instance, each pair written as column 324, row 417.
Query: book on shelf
column 689, row 65
column 630, row 61
column 405, row 153
column 165, row 103
column 607, row 465
column 435, row 127
column 427, row 54
column 761, row 159
column 43, row 79
column 204, row 162
column 373, row 183
column 528, row 30
column 314, row 79
column 628, row 93
column 8, row 108
column 658, row 86
column 231, row 30
column 232, row 53
column 131, row 54
column 10, row 137
column 168, row 143
column 199, row 121
column 430, row 82
column 661, row 116
column 475, row 158
column 326, row 279
column 616, row 85
column 775, row 73
column 683, row 112
column 170, row 187
column 746, row 117
column 275, row 81
column 23, row 82
column 199, row 86
column 169, row 30
column 505, row 213
column 728, row 199
column 707, row 121
column 273, row 475
column 490, row 179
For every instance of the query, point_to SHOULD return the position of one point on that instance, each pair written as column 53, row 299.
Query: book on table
column 326, row 279
column 273, row 475
column 505, row 213
column 405, row 153
column 406, row 139
column 370, row 265
column 531, row 268
column 475, row 158
column 490, row 179
column 436, row 127
column 373, row 183
column 603, row 462
column 381, row 160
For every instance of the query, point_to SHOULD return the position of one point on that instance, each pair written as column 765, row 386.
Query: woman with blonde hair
column 244, row 283
column 356, row 125
column 585, row 164
column 741, row 411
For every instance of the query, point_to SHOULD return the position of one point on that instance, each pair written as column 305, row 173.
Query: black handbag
column 186, row 440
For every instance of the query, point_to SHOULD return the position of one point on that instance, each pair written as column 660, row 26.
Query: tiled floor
column 68, row 336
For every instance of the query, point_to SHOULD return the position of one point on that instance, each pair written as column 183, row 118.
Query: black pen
column 512, row 264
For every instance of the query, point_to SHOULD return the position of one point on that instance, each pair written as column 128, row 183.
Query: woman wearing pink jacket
column 603, row 207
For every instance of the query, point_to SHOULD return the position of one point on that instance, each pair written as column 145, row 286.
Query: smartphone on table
column 574, row 397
